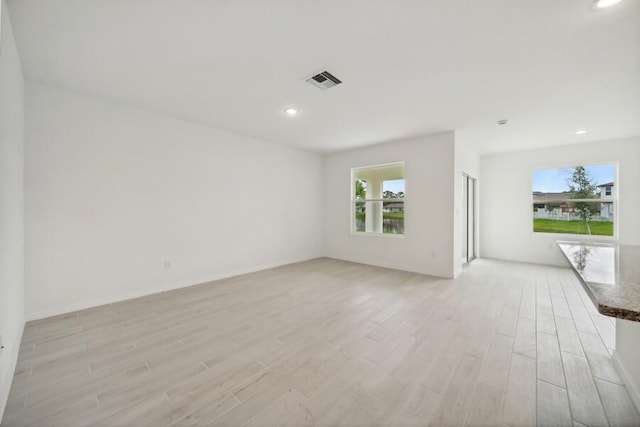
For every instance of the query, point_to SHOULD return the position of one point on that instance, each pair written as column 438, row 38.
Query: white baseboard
column 624, row 375
column 383, row 265
column 96, row 302
column 5, row 386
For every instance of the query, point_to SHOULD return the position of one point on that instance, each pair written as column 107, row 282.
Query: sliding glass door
column 468, row 218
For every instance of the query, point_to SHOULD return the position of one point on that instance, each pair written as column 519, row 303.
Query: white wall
column 625, row 357
column 113, row 192
column 427, row 246
column 466, row 161
column 11, row 205
column 506, row 210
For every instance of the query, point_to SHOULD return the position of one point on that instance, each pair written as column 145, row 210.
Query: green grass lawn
column 385, row 215
column 393, row 215
column 600, row 228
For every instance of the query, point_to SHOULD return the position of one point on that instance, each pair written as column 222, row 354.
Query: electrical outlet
column 167, row 265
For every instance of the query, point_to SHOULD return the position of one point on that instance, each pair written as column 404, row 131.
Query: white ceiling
column 409, row 67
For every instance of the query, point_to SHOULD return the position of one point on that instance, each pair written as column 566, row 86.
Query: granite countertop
column 610, row 273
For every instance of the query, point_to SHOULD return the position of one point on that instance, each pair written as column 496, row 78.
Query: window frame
column 353, row 201
column 573, row 236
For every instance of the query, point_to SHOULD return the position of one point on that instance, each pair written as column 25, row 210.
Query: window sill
column 571, row 236
column 390, row 235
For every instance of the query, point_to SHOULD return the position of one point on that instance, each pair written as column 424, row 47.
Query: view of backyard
column 392, row 222
column 391, row 204
column 578, row 200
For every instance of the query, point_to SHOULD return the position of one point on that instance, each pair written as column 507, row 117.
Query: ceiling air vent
column 324, row 80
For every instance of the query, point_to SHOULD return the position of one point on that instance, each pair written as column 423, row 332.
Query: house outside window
column 606, row 194
column 574, row 200
column 378, row 196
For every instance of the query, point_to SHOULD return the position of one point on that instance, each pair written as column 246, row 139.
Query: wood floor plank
column 617, row 404
column 599, row 358
column 133, row 413
column 550, row 364
column 514, row 295
column 456, row 399
column 357, row 408
column 422, row 403
column 583, row 395
column 553, row 406
column 494, row 308
column 528, row 302
column 481, row 337
column 193, row 409
column 440, row 372
column 507, row 322
column 568, row 336
column 525, row 342
column 606, row 329
column 520, row 399
column 486, row 406
column 558, row 299
column 545, row 321
column 291, row 406
column 582, row 319
column 495, row 367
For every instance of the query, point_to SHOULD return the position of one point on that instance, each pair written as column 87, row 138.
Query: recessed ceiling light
column 601, row 4
column 291, row 111
column 580, row 132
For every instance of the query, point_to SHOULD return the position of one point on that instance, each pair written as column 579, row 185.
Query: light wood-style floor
column 327, row 342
